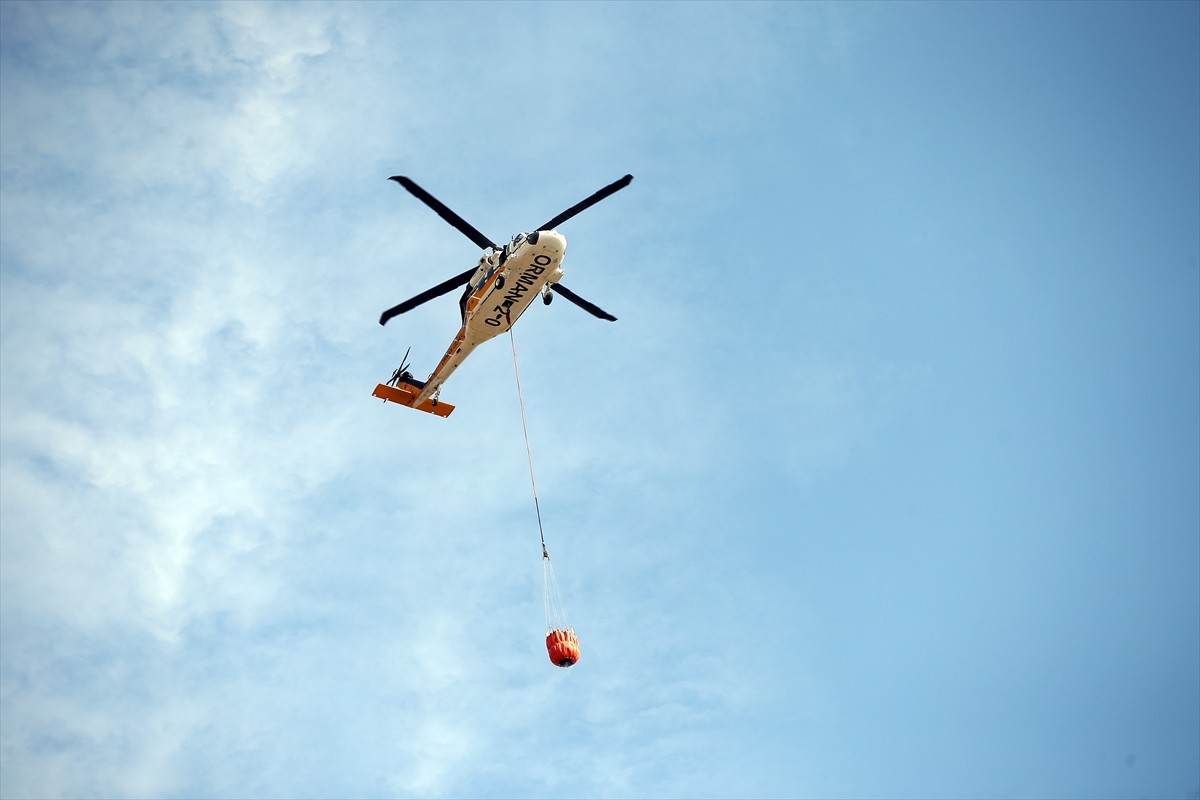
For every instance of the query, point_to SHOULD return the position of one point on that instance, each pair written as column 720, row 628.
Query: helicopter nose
column 550, row 242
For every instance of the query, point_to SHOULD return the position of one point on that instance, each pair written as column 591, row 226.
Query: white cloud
column 220, row 555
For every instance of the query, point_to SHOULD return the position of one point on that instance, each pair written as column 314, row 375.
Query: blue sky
column 885, row 484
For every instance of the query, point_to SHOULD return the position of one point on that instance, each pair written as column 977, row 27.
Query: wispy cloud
column 228, row 571
column 212, row 565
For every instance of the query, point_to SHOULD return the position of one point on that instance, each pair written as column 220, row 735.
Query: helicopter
column 497, row 290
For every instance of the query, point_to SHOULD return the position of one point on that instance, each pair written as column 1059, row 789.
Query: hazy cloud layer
column 883, row 484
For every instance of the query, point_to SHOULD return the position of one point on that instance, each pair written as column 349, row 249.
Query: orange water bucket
column 563, row 647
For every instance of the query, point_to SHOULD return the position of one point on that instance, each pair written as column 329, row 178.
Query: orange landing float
column 563, row 647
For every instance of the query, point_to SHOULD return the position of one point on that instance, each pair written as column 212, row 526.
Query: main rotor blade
column 442, row 288
column 612, row 188
column 591, row 308
column 445, row 213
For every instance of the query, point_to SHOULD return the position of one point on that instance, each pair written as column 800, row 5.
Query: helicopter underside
column 500, row 299
column 498, row 290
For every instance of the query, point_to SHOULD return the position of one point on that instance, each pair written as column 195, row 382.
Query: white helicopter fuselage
column 503, row 286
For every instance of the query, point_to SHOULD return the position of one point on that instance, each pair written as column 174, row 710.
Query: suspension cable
column 556, row 610
column 528, row 450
